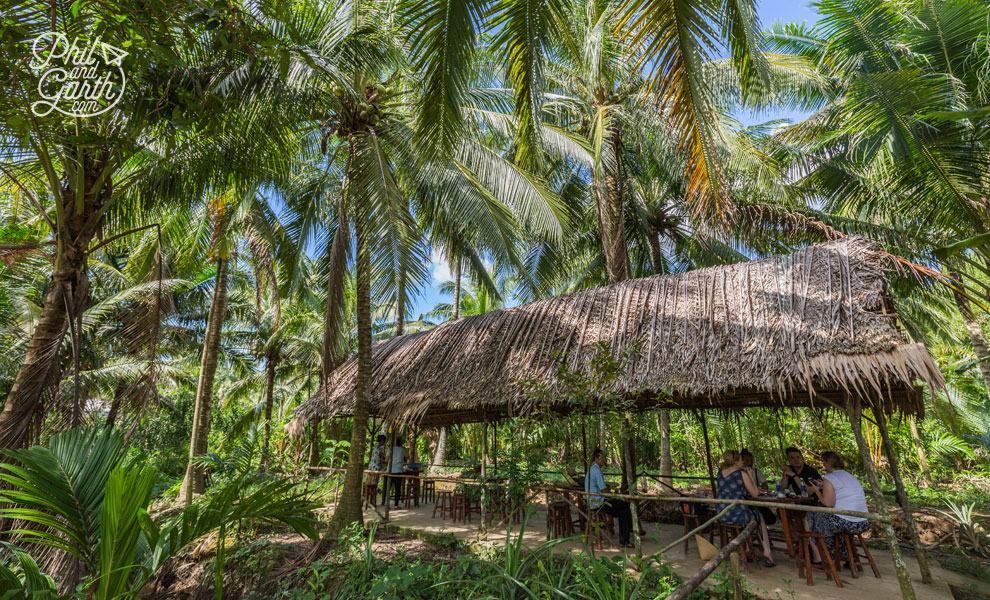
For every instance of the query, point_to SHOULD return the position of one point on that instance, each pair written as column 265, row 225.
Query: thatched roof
column 794, row 330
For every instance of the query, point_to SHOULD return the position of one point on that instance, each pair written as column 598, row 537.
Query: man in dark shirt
column 796, row 470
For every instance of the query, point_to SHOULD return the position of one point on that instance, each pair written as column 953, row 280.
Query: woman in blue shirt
column 735, row 483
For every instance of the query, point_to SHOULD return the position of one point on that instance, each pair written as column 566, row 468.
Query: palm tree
column 87, row 176
column 362, row 127
column 675, row 40
column 897, row 140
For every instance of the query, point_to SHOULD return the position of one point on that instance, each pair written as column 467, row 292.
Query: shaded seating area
column 815, row 328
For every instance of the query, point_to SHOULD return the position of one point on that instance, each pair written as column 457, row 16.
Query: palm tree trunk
column 976, row 338
column 314, row 442
column 269, row 401
column 457, row 287
column 663, row 419
column 400, row 302
column 440, row 458
column 610, row 195
column 66, row 295
column 666, row 465
column 926, row 476
column 193, row 481
column 349, row 506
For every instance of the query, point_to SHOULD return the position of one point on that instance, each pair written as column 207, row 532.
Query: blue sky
column 770, row 12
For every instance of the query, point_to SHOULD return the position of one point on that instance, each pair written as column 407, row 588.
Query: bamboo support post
column 853, row 411
column 902, row 497
column 708, row 449
column 630, row 467
column 691, row 584
column 736, row 577
column 389, row 482
column 484, row 470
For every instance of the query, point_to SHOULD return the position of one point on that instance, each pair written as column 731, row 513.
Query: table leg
column 785, row 524
column 548, row 514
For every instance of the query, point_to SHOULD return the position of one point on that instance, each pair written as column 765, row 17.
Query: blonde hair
column 832, row 459
column 730, row 458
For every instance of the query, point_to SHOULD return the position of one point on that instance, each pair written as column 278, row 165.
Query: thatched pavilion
column 813, row 328
column 795, row 330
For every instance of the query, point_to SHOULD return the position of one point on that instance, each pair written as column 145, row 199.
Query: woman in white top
column 840, row 489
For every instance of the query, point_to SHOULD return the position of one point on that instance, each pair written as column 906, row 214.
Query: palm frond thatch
column 793, row 330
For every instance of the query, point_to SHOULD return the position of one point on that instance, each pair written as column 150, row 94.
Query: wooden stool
column 845, row 541
column 461, row 508
column 496, row 510
column 561, row 524
column 804, row 557
column 728, row 532
column 410, row 492
column 444, row 502
column 692, row 521
column 598, row 520
column 370, row 491
column 429, row 493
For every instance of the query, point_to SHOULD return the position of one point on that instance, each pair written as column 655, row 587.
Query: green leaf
column 961, row 246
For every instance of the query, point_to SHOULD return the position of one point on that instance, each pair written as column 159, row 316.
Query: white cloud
column 439, row 268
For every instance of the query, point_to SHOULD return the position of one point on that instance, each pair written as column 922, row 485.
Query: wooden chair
column 728, row 532
column 805, row 567
column 692, row 520
column 445, row 502
column 561, row 524
column 846, row 541
column 599, row 520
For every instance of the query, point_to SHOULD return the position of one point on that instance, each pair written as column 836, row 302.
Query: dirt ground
column 415, row 532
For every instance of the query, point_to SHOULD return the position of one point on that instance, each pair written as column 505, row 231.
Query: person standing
column 399, row 454
column 379, row 455
column 594, row 483
column 797, row 470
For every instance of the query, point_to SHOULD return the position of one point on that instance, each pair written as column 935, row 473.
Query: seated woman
column 840, row 489
column 734, row 482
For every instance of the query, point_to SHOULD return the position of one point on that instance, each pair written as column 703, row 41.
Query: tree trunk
column 926, row 476
column 314, row 442
column 854, row 411
column 269, row 401
column 976, row 338
column 666, row 466
column 629, row 474
column 902, row 497
column 663, row 417
column 440, row 457
column 610, row 196
column 349, row 506
column 66, row 295
column 400, row 304
column 457, row 288
column 193, row 481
